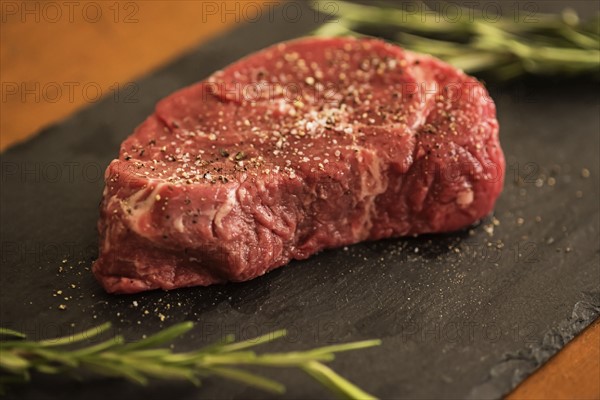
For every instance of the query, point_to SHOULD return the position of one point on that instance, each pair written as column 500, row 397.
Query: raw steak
column 307, row 145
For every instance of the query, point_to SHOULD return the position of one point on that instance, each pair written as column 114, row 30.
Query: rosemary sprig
column 502, row 48
column 146, row 359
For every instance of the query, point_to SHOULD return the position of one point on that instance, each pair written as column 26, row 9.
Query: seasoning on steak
column 307, row 145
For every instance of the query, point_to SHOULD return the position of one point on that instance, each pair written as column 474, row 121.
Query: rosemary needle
column 145, row 359
column 503, row 48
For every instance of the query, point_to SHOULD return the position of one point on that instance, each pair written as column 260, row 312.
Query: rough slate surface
column 464, row 315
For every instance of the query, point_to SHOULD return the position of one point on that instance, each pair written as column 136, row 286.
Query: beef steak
column 307, row 145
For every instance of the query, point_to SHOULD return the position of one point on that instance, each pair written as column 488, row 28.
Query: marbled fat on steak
column 307, row 145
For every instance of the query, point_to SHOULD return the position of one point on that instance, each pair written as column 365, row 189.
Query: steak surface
column 307, row 145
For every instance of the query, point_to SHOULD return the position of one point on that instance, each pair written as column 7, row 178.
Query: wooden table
column 53, row 65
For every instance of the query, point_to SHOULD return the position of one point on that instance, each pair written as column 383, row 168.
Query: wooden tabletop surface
column 54, row 62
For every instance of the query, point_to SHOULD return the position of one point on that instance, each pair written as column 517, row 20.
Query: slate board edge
column 515, row 368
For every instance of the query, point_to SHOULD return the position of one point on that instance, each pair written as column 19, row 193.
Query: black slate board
column 464, row 315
